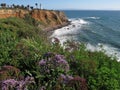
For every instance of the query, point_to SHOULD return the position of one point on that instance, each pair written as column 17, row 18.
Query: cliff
column 5, row 13
column 50, row 19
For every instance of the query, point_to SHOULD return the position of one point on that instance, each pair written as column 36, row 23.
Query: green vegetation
column 13, row 6
column 27, row 48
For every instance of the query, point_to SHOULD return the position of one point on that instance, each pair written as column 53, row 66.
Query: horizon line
column 91, row 9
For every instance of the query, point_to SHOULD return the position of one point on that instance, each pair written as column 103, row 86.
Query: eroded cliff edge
column 49, row 19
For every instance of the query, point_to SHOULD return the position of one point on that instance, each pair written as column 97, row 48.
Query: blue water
column 105, row 29
column 100, row 27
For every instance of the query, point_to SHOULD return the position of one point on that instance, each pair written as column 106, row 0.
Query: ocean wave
column 109, row 50
column 78, row 21
column 72, row 29
column 93, row 17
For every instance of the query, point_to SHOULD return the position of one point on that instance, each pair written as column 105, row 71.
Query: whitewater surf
column 73, row 32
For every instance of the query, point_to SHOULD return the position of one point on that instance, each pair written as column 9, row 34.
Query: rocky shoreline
column 48, row 29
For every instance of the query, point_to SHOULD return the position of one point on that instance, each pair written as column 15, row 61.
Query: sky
column 70, row 4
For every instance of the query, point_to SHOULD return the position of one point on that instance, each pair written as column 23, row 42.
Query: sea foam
column 69, row 33
column 93, row 17
column 108, row 49
column 71, row 29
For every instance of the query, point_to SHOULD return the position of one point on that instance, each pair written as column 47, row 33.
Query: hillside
column 28, row 60
column 49, row 19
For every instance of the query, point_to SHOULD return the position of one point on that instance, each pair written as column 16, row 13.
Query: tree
column 28, row 6
column 25, row 7
column 22, row 6
column 36, row 5
column 18, row 6
column 31, row 8
column 3, row 5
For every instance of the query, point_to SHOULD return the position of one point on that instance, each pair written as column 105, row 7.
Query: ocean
column 99, row 30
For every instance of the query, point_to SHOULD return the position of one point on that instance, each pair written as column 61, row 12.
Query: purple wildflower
column 59, row 57
column 53, row 62
column 29, row 80
column 23, row 83
column 42, row 62
column 62, row 62
column 62, row 76
column 19, row 85
column 9, row 83
column 4, row 87
column 65, row 78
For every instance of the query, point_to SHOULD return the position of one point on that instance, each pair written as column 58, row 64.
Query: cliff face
column 47, row 17
column 51, row 18
column 5, row 13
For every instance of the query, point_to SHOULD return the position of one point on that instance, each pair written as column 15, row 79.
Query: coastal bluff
column 50, row 19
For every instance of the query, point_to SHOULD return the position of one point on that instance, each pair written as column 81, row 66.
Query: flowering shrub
column 18, row 85
column 53, row 62
column 51, row 67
